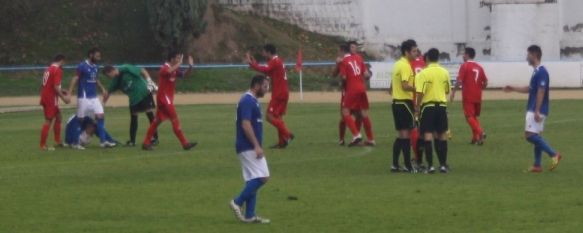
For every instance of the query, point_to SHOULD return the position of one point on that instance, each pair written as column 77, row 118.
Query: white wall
column 383, row 24
column 500, row 74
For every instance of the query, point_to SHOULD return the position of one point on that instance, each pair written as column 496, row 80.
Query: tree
column 176, row 22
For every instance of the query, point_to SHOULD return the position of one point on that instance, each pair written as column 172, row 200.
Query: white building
column 499, row 29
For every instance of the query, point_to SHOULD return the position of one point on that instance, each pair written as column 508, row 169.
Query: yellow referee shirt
column 402, row 72
column 434, row 83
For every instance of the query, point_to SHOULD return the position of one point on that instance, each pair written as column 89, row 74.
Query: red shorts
column 356, row 101
column 472, row 109
column 51, row 110
column 165, row 112
column 277, row 107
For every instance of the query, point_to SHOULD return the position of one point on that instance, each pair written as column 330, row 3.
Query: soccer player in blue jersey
column 88, row 103
column 537, row 109
column 249, row 126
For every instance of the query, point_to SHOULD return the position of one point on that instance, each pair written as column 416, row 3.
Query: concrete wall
column 498, row 32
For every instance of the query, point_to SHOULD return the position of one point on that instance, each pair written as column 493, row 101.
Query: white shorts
column 252, row 167
column 532, row 126
column 89, row 107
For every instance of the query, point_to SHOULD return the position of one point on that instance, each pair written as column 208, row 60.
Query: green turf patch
column 337, row 189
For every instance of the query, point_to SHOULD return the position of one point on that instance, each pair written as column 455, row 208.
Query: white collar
column 347, row 55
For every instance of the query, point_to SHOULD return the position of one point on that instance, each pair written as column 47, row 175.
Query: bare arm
column 453, row 91
column 406, row 87
column 59, row 92
column 145, row 74
column 74, row 81
column 250, row 134
column 523, row 90
column 190, row 66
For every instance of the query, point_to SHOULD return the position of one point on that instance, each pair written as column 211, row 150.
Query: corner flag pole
column 299, row 68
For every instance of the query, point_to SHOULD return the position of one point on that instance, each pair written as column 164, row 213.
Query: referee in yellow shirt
column 403, row 89
column 433, row 85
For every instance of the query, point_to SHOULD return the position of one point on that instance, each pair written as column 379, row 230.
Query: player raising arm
column 50, row 94
column 169, row 72
column 275, row 70
column 537, row 109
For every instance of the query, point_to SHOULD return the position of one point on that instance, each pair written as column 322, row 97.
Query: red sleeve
column 462, row 71
column 363, row 67
column 164, row 72
column 58, row 77
column 263, row 69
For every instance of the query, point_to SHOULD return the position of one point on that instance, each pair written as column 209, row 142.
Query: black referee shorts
column 145, row 105
column 434, row 118
column 403, row 114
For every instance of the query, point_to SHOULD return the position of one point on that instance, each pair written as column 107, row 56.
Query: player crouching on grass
column 138, row 86
column 432, row 87
column 537, row 109
column 78, row 133
column 249, row 138
column 50, row 93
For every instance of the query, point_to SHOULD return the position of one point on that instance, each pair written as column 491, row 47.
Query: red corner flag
column 299, row 61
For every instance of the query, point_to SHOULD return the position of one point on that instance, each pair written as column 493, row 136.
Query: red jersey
column 473, row 79
column 167, row 84
column 418, row 65
column 353, row 69
column 51, row 78
column 275, row 70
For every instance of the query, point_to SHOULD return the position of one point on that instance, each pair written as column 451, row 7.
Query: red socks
column 282, row 130
column 368, row 128
column 44, row 133
column 476, row 129
column 351, row 125
column 177, row 132
column 57, row 131
column 151, row 131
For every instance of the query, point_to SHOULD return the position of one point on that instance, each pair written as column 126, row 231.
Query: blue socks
column 101, row 130
column 249, row 196
column 539, row 146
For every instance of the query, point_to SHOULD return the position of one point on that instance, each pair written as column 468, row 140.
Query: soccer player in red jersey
column 49, row 99
column 342, row 125
column 473, row 80
column 275, row 70
column 354, row 71
column 169, row 72
column 417, row 142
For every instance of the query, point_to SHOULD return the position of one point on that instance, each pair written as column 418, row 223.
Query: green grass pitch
column 338, row 189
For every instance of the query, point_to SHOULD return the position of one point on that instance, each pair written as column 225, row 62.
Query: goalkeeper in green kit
column 138, row 86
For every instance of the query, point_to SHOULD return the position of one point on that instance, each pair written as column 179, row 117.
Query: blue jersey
column 248, row 109
column 75, row 128
column 87, row 86
column 540, row 79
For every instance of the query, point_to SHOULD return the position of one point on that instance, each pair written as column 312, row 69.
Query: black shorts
column 145, row 105
column 434, row 118
column 403, row 114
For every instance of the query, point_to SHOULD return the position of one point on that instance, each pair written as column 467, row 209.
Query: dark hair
column 58, row 58
column 107, row 69
column 270, row 49
column 407, row 46
column 352, row 42
column 257, row 80
column 93, row 51
column 536, row 51
column 87, row 123
column 172, row 54
column 345, row 48
column 432, row 55
column 471, row 52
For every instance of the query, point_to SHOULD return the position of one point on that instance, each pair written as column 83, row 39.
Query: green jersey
column 131, row 83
